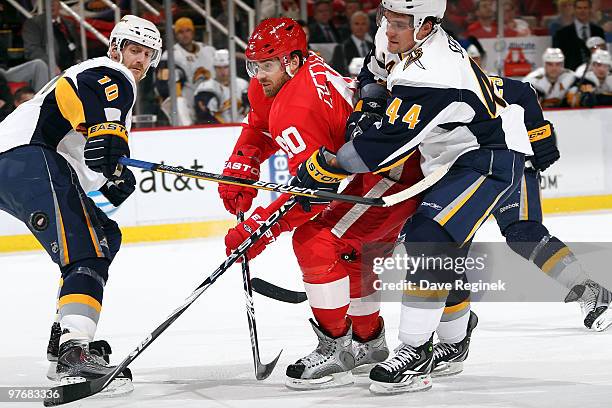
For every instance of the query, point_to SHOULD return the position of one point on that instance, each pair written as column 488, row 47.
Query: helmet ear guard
column 420, row 10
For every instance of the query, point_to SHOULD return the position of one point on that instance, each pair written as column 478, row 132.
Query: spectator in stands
column 194, row 64
column 350, row 8
column 593, row 44
column 596, row 88
column 322, row 30
column 23, row 94
column 288, row 8
column 552, row 82
column 565, row 17
column 358, row 44
column 513, row 26
column 485, row 25
column 458, row 15
column 536, row 8
column 219, row 39
column 6, row 99
column 213, row 97
column 572, row 38
column 35, row 73
column 34, row 33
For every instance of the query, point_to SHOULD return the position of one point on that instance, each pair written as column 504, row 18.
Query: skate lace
column 323, row 349
column 588, row 300
column 441, row 350
column 405, row 354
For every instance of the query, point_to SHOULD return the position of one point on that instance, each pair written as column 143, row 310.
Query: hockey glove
column 106, row 143
column 544, row 145
column 316, row 173
column 367, row 112
column 118, row 189
column 244, row 164
column 237, row 235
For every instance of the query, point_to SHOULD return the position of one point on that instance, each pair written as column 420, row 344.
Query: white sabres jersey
column 601, row 87
column 191, row 63
column 93, row 92
column 441, row 103
column 551, row 94
column 220, row 102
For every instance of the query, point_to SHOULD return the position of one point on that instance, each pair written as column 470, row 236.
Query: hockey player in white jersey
column 442, row 104
column 595, row 89
column 54, row 149
column 213, row 98
column 552, row 82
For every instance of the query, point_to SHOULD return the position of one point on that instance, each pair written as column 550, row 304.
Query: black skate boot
column 595, row 303
column 77, row 363
column 328, row 366
column 99, row 347
column 408, row 371
column 449, row 357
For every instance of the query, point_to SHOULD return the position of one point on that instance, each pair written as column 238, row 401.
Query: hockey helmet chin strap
column 119, row 47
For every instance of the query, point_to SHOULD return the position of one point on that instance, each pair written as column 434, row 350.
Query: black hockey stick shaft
column 272, row 291
column 262, row 371
column 386, row 201
column 64, row 394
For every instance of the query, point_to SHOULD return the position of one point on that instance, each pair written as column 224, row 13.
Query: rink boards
column 166, row 207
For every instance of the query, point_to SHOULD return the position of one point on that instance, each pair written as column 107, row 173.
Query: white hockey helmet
column 553, row 55
column 221, row 58
column 355, row 66
column 473, row 52
column 418, row 9
column 139, row 31
column 602, row 57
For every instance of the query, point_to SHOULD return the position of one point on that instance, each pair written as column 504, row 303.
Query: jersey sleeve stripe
column 69, row 103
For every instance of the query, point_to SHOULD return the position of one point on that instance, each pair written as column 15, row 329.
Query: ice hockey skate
column 408, row 371
column 595, row 302
column 77, row 363
column 448, row 358
column 328, row 366
column 368, row 354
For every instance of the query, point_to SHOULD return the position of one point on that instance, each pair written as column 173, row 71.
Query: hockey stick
column 287, row 189
column 262, row 371
column 64, row 394
column 272, row 291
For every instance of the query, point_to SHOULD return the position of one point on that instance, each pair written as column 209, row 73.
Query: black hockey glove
column 367, row 112
column 106, row 143
column 118, row 189
column 544, row 145
column 315, row 173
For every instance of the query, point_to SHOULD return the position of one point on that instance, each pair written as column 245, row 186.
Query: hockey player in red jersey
column 299, row 104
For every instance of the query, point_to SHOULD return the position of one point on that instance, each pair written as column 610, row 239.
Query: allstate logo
column 102, row 202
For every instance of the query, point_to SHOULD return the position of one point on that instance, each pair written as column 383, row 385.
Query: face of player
column 400, row 32
column 553, row 70
column 272, row 75
column 184, row 36
column 600, row 70
column 136, row 58
column 222, row 74
column 582, row 11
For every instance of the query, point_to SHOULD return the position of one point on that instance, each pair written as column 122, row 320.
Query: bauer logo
column 279, row 171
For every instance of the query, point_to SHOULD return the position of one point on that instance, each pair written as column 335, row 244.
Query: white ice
column 522, row 354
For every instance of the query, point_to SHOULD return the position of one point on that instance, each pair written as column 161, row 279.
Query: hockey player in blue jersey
column 442, row 104
column 54, row 149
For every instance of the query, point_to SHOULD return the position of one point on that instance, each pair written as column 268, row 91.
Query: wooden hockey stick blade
column 417, row 188
column 272, row 291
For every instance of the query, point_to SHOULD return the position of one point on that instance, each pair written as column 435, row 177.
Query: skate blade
column 363, row 369
column 447, row 369
column 603, row 321
column 329, row 381
column 415, row 384
column 118, row 387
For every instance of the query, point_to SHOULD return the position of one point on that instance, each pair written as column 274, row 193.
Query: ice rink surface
column 522, row 355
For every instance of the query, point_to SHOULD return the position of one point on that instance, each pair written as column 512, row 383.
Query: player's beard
column 275, row 88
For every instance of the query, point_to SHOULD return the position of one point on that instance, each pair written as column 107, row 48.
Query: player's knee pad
column 524, row 237
column 113, row 237
column 317, row 253
column 422, row 229
column 97, row 266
